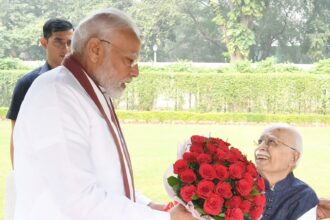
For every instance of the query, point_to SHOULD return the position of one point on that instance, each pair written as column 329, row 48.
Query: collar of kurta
column 80, row 74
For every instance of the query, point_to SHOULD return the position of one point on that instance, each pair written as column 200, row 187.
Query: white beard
column 111, row 87
column 113, row 92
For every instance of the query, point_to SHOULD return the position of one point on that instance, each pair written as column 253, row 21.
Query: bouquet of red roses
column 215, row 181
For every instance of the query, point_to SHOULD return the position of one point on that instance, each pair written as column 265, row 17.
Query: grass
column 153, row 150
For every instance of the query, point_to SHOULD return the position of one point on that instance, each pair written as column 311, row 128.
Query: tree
column 318, row 31
column 235, row 19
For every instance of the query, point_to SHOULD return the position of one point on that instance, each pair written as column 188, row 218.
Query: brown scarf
column 78, row 72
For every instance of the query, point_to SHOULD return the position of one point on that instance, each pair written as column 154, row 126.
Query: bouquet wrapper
column 170, row 192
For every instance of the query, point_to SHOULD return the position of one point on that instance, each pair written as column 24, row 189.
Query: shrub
column 243, row 66
column 11, row 64
column 322, row 67
column 193, row 117
column 266, row 66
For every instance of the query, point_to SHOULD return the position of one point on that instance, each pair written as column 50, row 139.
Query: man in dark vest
column 56, row 41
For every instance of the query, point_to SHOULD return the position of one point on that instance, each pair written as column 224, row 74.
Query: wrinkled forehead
column 278, row 133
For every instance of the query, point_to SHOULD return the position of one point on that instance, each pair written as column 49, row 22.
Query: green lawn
column 153, row 149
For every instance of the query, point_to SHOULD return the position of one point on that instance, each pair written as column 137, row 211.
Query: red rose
column 179, row 166
column 261, row 184
column 259, row 200
column 236, row 171
column 190, row 156
column 187, row 192
column 222, row 155
column 205, row 188
column 249, row 178
column 210, row 148
column 234, row 202
column 196, row 148
column 207, row 171
column 235, row 155
column 188, row 176
column 244, row 187
column 222, row 143
column 251, row 169
column 224, row 189
column 245, row 206
column 221, row 172
column 256, row 212
column 198, row 139
column 234, row 214
column 204, row 158
column 213, row 204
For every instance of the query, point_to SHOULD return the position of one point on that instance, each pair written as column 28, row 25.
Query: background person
column 278, row 151
column 71, row 159
column 56, row 41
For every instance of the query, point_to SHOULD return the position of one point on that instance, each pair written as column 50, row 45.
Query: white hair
column 101, row 24
column 298, row 143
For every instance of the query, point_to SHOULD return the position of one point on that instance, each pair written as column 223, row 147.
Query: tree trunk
column 236, row 56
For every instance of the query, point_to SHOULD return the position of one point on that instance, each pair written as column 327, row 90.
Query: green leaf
column 194, row 197
column 200, row 210
column 218, row 217
column 255, row 191
column 172, row 181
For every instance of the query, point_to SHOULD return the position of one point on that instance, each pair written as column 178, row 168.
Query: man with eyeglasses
column 56, row 40
column 278, row 151
column 72, row 161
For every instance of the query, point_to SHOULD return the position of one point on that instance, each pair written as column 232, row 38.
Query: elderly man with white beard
column 71, row 159
column 278, row 151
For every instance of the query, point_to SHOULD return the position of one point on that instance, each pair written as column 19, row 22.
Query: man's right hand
column 323, row 209
column 179, row 212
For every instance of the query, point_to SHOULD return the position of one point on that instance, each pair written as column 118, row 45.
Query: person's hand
column 157, row 206
column 323, row 209
column 179, row 212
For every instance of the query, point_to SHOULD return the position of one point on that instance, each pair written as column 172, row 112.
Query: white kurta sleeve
column 62, row 154
column 310, row 215
column 142, row 199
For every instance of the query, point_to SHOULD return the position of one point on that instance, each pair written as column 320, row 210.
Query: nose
column 135, row 71
column 262, row 146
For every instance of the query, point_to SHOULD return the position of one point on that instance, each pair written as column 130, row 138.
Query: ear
column 296, row 156
column 95, row 51
column 43, row 42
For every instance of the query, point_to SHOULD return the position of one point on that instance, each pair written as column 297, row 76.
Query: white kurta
column 66, row 162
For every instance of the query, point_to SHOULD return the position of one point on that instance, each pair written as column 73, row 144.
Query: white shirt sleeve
column 310, row 215
column 142, row 199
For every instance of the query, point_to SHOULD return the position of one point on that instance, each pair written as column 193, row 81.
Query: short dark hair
column 55, row 25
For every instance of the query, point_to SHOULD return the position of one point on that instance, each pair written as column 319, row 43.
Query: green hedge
column 164, row 116
column 8, row 80
column 193, row 117
column 264, row 87
column 3, row 112
column 264, row 93
column 287, row 93
column 11, row 63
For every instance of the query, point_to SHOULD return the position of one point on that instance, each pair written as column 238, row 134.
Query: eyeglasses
column 132, row 63
column 273, row 142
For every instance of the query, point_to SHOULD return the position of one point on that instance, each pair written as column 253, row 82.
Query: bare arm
column 11, row 143
column 157, row 206
column 323, row 209
column 179, row 212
